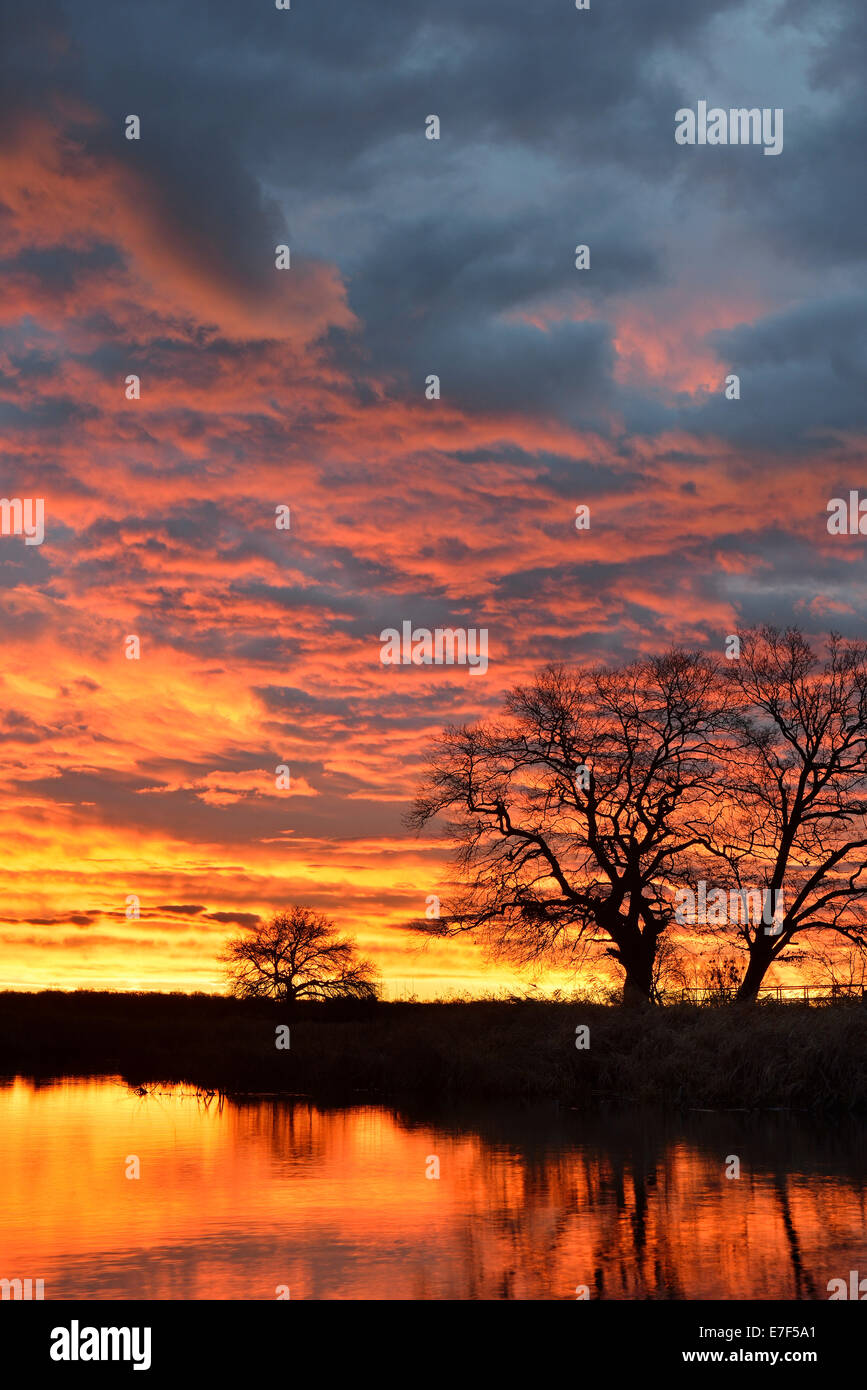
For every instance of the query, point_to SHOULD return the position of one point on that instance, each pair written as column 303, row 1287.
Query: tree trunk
column 750, row 985
column 638, row 984
column 636, row 953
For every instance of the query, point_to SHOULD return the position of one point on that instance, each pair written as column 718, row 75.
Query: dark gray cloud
column 803, row 377
column 557, row 128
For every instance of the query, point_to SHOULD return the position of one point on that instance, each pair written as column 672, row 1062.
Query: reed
column 686, row 1056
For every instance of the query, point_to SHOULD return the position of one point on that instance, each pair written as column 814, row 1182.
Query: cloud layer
column 306, row 388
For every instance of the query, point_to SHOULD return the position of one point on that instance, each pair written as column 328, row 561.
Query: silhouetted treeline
column 777, row 1055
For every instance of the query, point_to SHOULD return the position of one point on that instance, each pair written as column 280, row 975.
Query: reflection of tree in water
column 293, row 1131
column 804, row 1285
column 642, row 1208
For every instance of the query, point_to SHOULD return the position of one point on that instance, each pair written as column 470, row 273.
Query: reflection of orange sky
column 233, row 1201
column 156, row 777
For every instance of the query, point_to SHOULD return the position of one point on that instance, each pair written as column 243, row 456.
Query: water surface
column 237, row 1200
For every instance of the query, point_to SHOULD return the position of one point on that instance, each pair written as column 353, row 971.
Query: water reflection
column 238, row 1198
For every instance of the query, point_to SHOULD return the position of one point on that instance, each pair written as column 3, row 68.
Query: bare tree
column 669, row 968
column 712, row 977
column 792, row 817
column 841, row 972
column 297, row 955
column 573, row 814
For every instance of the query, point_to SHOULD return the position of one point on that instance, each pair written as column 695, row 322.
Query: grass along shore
column 773, row 1055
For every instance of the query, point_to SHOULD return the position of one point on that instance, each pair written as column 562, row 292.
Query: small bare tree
column 840, row 971
column 297, row 955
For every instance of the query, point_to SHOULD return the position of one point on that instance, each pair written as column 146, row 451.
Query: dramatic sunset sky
column 305, row 387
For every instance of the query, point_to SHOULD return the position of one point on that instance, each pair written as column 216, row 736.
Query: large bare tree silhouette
column 579, row 813
column 575, row 813
column 794, row 811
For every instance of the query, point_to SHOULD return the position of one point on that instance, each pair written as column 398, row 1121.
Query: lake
column 242, row 1199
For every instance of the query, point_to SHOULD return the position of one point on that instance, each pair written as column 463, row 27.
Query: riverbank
column 775, row 1055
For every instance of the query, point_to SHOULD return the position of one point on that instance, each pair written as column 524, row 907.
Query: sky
column 305, row 388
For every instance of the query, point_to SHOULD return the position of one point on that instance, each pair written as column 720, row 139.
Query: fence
column 782, row 994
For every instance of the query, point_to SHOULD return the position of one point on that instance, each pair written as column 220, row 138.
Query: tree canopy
column 578, row 814
column 296, row 955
